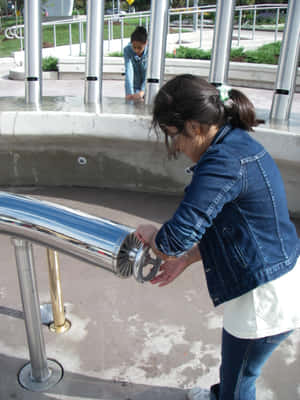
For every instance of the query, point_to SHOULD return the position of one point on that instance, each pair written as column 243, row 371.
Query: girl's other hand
column 170, row 270
column 146, row 233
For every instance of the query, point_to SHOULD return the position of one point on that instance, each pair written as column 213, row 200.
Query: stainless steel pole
column 31, row 307
column 195, row 17
column 157, row 48
column 201, row 29
column 94, row 52
column 288, row 63
column 36, row 375
column 33, row 51
column 219, row 65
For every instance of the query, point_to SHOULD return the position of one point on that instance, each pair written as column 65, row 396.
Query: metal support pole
column 54, row 35
column 60, row 324
column 80, row 37
column 94, row 52
column 108, row 31
column 240, row 27
column 70, row 38
column 254, row 23
column 122, row 34
column 219, row 65
column 180, row 29
column 201, row 29
column 288, row 63
column 277, row 22
column 36, row 375
column 157, row 48
column 195, row 17
column 33, row 51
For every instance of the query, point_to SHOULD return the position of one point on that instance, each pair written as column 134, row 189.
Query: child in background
column 135, row 59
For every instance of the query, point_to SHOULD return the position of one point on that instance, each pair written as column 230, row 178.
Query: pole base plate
column 28, row 382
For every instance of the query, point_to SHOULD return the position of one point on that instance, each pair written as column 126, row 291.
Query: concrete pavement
column 127, row 340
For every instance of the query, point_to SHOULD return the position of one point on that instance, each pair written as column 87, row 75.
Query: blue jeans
column 242, row 361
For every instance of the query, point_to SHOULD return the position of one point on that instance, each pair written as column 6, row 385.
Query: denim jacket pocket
column 233, row 247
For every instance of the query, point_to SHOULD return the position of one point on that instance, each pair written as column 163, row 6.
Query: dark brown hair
column 188, row 97
column 139, row 35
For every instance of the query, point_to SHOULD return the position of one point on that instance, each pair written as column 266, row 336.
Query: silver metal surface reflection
column 101, row 242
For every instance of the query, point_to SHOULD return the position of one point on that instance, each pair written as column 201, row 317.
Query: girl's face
column 138, row 47
column 191, row 141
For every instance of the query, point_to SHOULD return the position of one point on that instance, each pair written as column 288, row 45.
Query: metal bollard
column 39, row 374
column 60, row 324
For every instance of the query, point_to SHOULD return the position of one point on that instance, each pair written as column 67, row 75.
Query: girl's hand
column 138, row 95
column 146, row 234
column 170, row 270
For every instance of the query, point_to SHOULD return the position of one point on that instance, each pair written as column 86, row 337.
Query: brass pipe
column 60, row 324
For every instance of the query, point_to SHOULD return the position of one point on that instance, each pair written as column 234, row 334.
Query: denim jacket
column 235, row 209
column 135, row 70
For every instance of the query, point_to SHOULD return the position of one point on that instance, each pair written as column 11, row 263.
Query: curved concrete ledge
column 112, row 147
column 261, row 76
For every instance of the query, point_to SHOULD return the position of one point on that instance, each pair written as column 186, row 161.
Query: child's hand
column 139, row 95
column 170, row 270
column 146, row 233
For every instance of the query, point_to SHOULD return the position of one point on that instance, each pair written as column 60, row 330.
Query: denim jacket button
column 207, row 269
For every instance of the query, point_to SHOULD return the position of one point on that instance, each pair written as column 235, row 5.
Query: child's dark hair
column 139, row 35
column 188, row 97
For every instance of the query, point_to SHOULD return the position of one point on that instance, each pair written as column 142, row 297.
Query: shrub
column 50, row 64
column 116, row 54
column 267, row 54
column 237, row 54
column 187, row 52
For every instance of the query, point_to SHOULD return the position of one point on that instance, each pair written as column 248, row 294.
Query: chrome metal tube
column 31, row 307
column 101, row 242
column 94, row 52
column 219, row 65
column 288, row 63
column 33, row 51
column 195, row 17
column 157, row 48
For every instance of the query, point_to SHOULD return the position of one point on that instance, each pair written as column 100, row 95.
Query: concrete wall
column 262, row 76
column 101, row 149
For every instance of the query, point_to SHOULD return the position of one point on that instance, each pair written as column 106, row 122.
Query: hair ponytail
column 240, row 111
column 189, row 97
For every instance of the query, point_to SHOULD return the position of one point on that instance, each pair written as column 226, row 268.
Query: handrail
column 12, row 32
column 98, row 241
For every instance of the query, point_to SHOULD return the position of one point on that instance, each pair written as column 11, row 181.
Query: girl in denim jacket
column 233, row 217
column 135, row 60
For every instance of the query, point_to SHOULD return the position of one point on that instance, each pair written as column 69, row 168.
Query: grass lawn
column 7, row 46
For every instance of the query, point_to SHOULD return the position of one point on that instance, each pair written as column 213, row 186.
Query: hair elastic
column 224, row 92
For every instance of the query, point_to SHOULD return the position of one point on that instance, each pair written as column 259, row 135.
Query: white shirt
column 268, row 310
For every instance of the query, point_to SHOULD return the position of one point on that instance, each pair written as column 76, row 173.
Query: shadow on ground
column 80, row 386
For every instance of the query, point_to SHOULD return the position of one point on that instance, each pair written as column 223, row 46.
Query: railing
column 176, row 22
column 100, row 242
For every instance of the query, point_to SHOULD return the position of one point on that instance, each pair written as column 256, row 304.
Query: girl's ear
column 193, row 127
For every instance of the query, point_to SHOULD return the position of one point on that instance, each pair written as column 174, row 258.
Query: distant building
column 58, row 8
